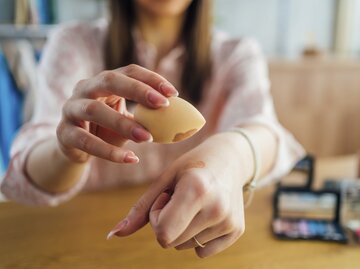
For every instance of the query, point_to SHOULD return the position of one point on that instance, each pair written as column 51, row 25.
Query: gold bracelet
column 251, row 185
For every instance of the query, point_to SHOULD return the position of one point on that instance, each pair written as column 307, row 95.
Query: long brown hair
column 196, row 35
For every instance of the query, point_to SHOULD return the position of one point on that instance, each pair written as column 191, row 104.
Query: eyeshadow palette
column 308, row 229
column 307, row 215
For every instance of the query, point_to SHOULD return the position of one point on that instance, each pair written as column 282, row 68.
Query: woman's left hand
column 199, row 195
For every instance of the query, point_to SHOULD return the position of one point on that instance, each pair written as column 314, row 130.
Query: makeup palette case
column 301, row 214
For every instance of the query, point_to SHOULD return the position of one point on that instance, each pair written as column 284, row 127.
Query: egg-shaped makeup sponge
column 176, row 122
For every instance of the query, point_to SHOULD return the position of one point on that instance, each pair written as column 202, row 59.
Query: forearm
column 50, row 169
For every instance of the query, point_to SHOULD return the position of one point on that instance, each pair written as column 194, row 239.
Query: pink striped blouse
column 238, row 93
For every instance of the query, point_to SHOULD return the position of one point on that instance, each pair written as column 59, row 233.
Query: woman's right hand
column 95, row 120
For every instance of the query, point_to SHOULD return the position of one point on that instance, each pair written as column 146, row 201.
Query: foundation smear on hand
column 196, row 164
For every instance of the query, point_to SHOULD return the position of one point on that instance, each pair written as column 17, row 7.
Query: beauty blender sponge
column 174, row 123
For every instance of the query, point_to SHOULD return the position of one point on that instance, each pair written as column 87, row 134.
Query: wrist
column 51, row 171
column 234, row 153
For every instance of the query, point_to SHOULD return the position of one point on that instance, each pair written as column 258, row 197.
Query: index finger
column 134, row 83
column 150, row 78
column 138, row 216
column 110, row 83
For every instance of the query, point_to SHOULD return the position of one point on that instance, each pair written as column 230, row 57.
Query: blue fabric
column 44, row 8
column 11, row 101
column 37, row 55
column 2, row 169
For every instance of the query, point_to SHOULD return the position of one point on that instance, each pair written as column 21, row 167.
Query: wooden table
column 73, row 236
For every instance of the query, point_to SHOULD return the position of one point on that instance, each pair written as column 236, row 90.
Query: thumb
column 157, row 207
column 138, row 216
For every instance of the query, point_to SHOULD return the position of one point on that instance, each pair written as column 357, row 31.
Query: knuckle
column 139, row 91
column 229, row 225
column 84, row 143
column 140, row 206
column 156, row 79
column 60, row 130
column 219, row 209
column 131, row 69
column 106, row 78
column 138, row 88
column 200, row 186
column 90, row 108
column 162, row 236
column 239, row 231
column 112, row 154
column 82, row 157
column 65, row 108
column 79, row 86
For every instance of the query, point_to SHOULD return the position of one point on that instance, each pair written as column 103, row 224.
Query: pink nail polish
column 157, row 99
column 168, row 89
column 121, row 225
column 141, row 135
column 130, row 157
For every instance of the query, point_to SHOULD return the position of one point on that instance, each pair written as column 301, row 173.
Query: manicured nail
column 168, row 89
column 130, row 157
column 157, row 99
column 141, row 135
column 121, row 225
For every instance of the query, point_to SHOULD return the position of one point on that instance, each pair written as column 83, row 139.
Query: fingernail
column 121, row 225
column 141, row 134
column 130, row 157
column 168, row 89
column 157, row 99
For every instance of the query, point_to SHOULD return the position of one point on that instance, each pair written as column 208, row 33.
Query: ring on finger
column 198, row 243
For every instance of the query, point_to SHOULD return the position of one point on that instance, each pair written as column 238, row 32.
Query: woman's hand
column 202, row 206
column 200, row 195
column 95, row 120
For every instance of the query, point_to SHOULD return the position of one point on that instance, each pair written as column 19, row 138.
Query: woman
column 196, row 199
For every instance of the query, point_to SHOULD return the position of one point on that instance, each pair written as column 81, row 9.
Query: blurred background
column 313, row 49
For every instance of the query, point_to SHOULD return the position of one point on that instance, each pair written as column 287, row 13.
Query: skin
column 57, row 164
column 199, row 194
column 157, row 19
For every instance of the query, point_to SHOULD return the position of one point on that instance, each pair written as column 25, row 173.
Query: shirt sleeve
column 249, row 102
column 64, row 62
